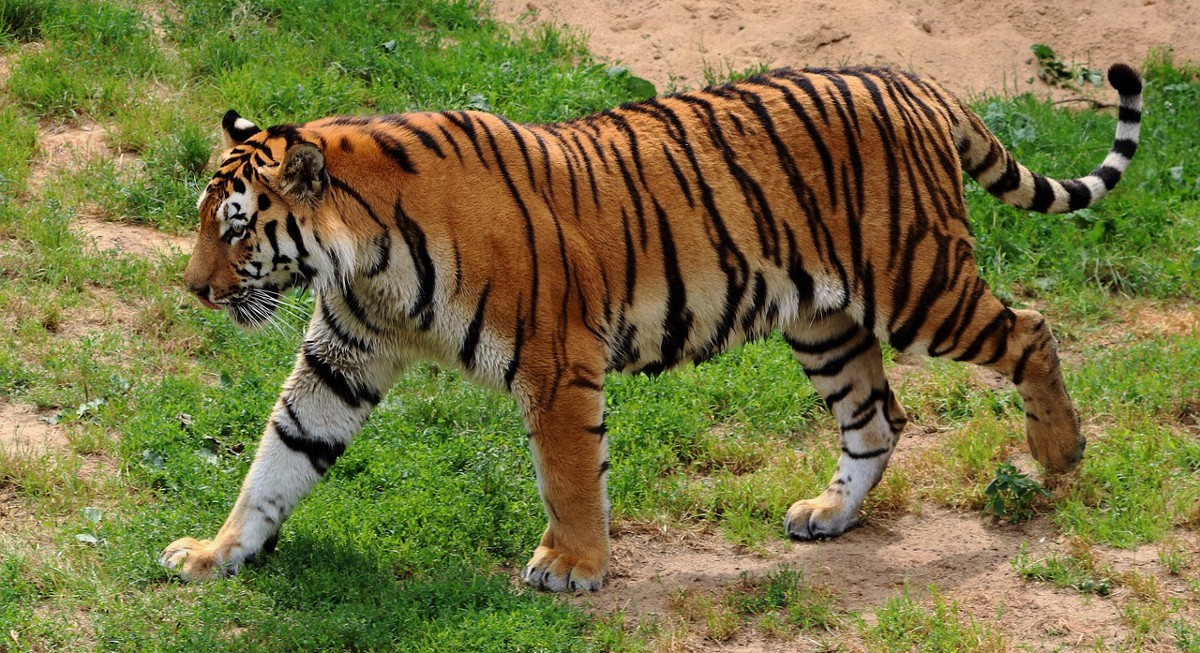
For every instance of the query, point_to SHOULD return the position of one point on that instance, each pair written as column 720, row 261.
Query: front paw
column 198, row 560
column 821, row 518
column 551, row 570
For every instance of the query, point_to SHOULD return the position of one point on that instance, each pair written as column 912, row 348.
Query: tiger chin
column 825, row 204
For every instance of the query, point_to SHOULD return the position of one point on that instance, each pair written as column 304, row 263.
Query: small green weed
column 1012, row 495
column 1053, row 71
column 783, row 594
column 1076, row 571
column 1187, row 636
column 903, row 624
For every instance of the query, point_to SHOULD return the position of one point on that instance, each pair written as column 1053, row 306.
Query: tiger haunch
column 825, row 204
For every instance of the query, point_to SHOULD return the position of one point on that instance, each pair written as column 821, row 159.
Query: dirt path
column 973, row 46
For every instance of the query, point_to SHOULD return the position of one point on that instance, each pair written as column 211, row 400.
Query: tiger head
column 256, row 239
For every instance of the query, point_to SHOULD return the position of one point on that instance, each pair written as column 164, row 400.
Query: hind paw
column 819, row 519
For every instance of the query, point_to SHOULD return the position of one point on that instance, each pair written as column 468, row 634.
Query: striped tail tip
column 1018, row 186
column 1128, row 84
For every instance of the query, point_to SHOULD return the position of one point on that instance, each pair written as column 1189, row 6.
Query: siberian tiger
column 827, row 204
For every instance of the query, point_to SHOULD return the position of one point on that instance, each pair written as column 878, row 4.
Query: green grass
column 411, row 541
column 906, row 624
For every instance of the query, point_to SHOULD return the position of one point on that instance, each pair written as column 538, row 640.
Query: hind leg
column 844, row 362
column 1019, row 345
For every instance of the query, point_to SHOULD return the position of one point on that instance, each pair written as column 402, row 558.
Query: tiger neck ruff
column 826, row 204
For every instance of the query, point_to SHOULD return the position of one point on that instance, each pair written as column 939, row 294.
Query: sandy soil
column 24, row 432
column 973, row 46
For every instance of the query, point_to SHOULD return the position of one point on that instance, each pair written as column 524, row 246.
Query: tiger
column 824, row 204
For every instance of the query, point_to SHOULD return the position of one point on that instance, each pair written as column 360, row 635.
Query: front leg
column 567, row 436
column 323, row 405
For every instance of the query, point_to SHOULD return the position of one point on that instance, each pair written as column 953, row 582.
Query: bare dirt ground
column 65, row 146
column 24, row 431
column 972, row 46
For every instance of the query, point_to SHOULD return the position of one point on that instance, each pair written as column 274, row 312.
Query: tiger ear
column 236, row 129
column 302, row 177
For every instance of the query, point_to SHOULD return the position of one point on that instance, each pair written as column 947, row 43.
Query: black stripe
column 462, row 120
column 1129, row 115
column 591, row 173
column 752, row 193
column 1081, row 195
column 757, row 303
column 450, row 139
column 1018, row 374
column 864, row 419
column 814, row 133
column 467, row 353
column 835, row 366
column 569, row 158
column 545, row 151
column 953, row 326
column 838, row 395
column 732, row 261
column 1125, row 147
column 866, row 454
column 801, row 279
column 597, row 147
column 600, row 429
column 1002, row 321
column 350, row 299
column 347, row 189
column 679, row 178
column 875, row 396
column 639, row 209
column 321, row 453
column 988, row 161
column 383, row 245
column 1043, row 194
column 393, row 149
column 414, row 237
column 1109, row 175
column 426, row 139
column 293, row 230
column 604, row 467
column 519, row 138
column 634, row 145
column 530, row 235
column 271, row 229
column 822, row 346
column 1009, row 180
column 513, row 363
column 585, row 383
column 678, row 320
column 339, row 331
column 351, row 394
